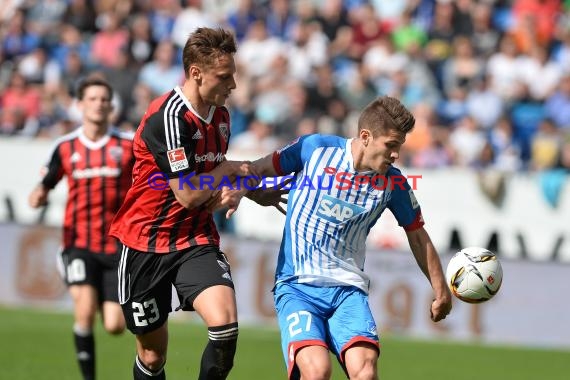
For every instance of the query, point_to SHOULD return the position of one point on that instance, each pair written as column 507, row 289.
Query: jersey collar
column 187, row 103
column 93, row 145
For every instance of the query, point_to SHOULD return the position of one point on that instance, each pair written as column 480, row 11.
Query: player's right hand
column 38, row 197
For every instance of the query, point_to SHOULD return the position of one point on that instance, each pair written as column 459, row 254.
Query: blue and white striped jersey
column 331, row 209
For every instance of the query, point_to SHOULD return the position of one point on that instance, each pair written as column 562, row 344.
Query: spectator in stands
column 141, row 45
column 20, row 104
column 557, row 106
column 545, row 146
column 467, row 141
column 162, row 73
column 504, row 68
column 483, row 104
column 81, row 14
column 462, row 68
column 110, row 39
column 18, row 39
column 241, row 19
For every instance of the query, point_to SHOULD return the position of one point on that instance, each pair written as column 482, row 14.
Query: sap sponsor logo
column 103, row 171
column 219, row 157
column 337, row 211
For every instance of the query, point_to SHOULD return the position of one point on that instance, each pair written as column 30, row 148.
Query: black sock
column 141, row 372
column 218, row 356
column 85, row 351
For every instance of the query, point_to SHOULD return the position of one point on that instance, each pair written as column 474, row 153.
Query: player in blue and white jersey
column 342, row 187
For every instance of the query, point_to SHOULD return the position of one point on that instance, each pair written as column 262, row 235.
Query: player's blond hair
column 384, row 114
column 206, row 45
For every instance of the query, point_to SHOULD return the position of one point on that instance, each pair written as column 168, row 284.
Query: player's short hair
column 93, row 81
column 206, row 45
column 385, row 114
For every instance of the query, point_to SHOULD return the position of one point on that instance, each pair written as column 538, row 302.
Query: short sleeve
column 168, row 138
column 403, row 203
column 291, row 158
column 53, row 171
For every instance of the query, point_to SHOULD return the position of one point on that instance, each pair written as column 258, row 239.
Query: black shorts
column 80, row 267
column 146, row 280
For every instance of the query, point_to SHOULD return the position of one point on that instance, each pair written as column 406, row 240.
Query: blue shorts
column 335, row 317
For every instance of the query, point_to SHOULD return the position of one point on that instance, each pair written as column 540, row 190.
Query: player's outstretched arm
column 196, row 194
column 264, row 196
column 428, row 261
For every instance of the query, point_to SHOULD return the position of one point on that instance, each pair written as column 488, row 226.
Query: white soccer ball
column 474, row 275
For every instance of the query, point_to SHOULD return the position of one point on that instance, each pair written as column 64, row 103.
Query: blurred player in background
column 168, row 232
column 97, row 161
column 342, row 187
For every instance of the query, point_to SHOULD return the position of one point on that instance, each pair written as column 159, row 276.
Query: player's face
column 218, row 81
column 96, row 105
column 382, row 150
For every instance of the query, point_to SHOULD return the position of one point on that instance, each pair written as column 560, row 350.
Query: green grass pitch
column 38, row 345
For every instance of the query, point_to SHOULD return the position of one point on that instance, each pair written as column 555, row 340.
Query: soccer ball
column 474, row 275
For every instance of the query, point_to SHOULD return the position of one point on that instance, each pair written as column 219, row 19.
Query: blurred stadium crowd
column 488, row 80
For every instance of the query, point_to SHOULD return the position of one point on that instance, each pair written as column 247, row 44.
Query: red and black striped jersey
column 99, row 173
column 172, row 141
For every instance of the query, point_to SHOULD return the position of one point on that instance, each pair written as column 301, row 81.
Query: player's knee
column 153, row 360
column 316, row 374
column 316, row 371
column 365, row 370
column 114, row 327
column 218, row 357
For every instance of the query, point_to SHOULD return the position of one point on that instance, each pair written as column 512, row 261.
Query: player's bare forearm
column 428, row 260
column 203, row 187
column 265, row 167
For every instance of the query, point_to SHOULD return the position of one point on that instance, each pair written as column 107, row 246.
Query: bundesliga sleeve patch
column 177, row 159
column 413, row 199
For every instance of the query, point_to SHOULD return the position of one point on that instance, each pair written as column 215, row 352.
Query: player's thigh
column 360, row 361
column 144, row 289
column 204, row 284
column 312, row 362
column 301, row 322
column 85, row 303
column 113, row 318
column 109, row 280
column 352, row 324
column 216, row 305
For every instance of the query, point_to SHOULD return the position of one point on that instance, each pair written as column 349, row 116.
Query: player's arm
column 230, row 197
column 191, row 192
column 407, row 211
column 284, row 161
column 53, row 174
column 430, row 264
column 269, row 196
column 168, row 137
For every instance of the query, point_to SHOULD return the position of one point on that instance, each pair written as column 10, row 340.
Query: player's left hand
column 231, row 198
column 272, row 196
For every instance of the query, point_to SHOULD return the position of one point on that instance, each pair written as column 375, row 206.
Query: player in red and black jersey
column 97, row 161
column 165, row 223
